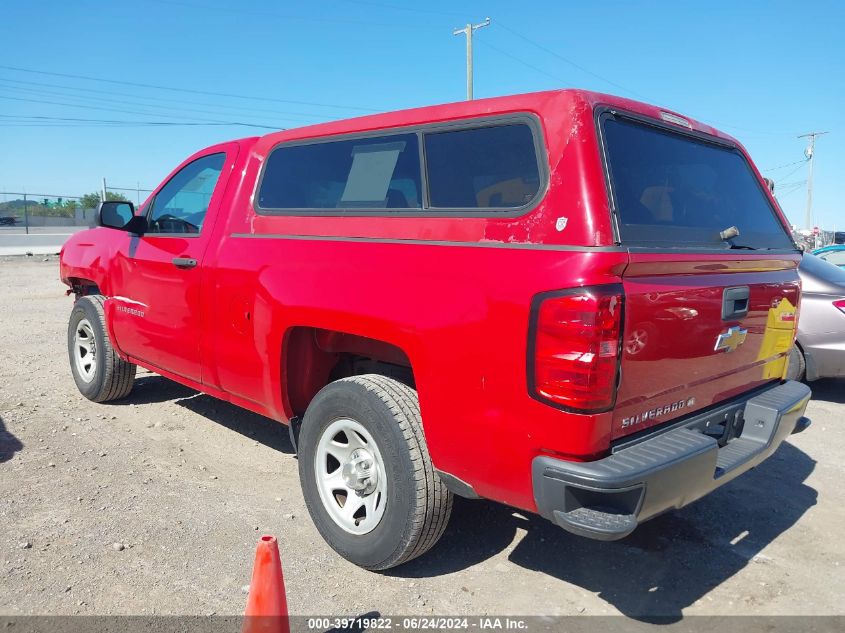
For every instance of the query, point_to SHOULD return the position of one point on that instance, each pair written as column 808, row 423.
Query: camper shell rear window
column 675, row 189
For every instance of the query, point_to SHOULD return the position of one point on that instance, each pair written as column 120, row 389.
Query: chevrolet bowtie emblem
column 730, row 340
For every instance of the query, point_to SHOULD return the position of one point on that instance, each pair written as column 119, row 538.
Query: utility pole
column 810, row 154
column 104, row 189
column 468, row 30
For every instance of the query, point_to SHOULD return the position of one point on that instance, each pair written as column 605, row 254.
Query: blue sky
column 762, row 71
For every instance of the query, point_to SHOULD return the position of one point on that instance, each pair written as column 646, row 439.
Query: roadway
column 41, row 240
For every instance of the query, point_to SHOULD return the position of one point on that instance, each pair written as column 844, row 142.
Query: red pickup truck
column 575, row 304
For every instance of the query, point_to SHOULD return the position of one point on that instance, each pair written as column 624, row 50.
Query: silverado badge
column 730, row 340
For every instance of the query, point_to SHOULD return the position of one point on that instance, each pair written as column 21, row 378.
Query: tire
column 796, row 365
column 384, row 415
column 98, row 371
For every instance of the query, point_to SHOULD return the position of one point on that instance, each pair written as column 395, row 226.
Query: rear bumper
column 608, row 498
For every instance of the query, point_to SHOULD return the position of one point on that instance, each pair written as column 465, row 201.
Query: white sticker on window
column 371, row 172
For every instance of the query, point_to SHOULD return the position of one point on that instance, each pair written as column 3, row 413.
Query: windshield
column 674, row 190
column 833, row 256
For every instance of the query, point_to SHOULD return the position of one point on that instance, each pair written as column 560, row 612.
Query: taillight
column 574, row 348
column 840, row 303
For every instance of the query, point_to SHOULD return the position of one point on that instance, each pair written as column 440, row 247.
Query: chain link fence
column 34, row 212
column 43, row 213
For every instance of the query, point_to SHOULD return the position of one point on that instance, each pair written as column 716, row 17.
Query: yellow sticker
column 778, row 338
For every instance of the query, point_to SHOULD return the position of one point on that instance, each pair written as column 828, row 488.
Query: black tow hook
column 802, row 425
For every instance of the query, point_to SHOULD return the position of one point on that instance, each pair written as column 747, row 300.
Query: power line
column 235, row 109
column 521, row 61
column 785, row 165
column 565, row 82
column 307, row 18
column 94, row 125
column 598, row 76
column 43, row 195
column 781, row 195
column 97, row 99
column 568, row 61
column 27, row 117
column 750, row 130
column 113, row 188
column 794, row 171
column 87, row 107
column 185, row 90
column 47, row 121
column 790, row 185
column 383, row 5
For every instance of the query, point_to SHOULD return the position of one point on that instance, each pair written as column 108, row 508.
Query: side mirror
column 121, row 216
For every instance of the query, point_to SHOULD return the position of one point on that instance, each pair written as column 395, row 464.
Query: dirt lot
column 185, row 484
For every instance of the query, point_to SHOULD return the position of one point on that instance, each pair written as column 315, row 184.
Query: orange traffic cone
column 266, row 606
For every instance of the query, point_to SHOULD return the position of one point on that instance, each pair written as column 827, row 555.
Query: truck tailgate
column 699, row 329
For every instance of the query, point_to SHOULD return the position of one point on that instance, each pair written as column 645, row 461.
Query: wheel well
column 314, row 357
column 82, row 287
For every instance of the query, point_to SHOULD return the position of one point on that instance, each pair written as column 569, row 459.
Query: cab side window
column 180, row 205
column 491, row 167
column 381, row 172
column 466, row 168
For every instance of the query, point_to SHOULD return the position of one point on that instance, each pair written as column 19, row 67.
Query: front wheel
column 100, row 374
column 366, row 474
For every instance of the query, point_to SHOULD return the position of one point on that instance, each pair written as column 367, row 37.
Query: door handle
column 735, row 303
column 184, row 262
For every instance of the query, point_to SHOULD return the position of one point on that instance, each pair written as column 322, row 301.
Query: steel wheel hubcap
column 350, row 476
column 85, row 350
column 360, row 473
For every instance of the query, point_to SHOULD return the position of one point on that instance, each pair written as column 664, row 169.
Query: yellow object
column 778, row 338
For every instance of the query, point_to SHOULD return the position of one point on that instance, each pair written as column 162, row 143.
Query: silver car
column 820, row 348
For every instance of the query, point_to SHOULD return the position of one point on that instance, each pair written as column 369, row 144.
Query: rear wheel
column 366, row 474
column 100, row 374
column 796, row 365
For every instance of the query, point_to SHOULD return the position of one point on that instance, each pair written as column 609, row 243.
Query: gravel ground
column 153, row 505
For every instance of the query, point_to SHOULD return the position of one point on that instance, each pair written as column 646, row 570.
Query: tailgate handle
column 184, row 262
column 734, row 303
